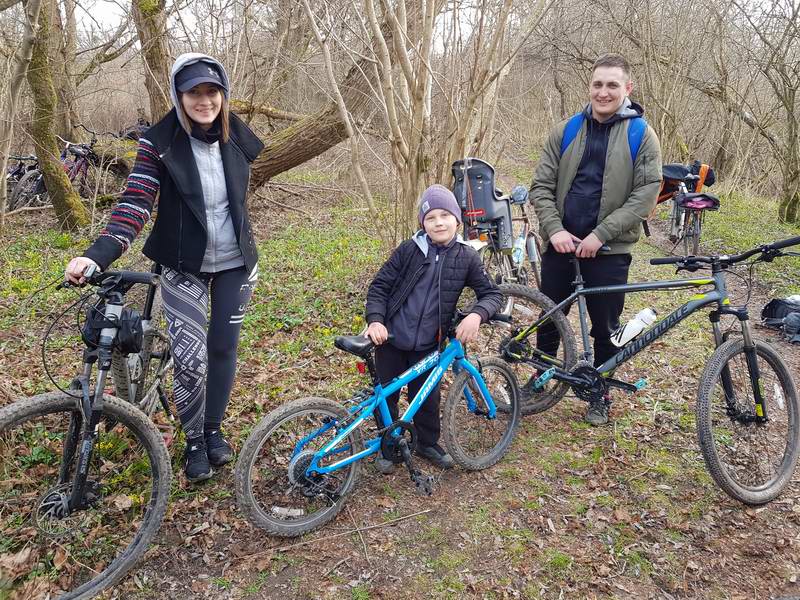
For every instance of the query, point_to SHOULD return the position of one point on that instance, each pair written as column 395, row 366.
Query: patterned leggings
column 203, row 349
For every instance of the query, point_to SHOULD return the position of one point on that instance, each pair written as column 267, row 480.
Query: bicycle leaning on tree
column 747, row 405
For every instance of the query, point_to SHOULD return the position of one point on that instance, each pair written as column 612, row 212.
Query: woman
column 197, row 161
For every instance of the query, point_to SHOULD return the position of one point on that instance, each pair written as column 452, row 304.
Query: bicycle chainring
column 595, row 387
column 390, row 448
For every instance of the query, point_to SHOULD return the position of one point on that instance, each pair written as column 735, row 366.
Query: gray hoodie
column 222, row 248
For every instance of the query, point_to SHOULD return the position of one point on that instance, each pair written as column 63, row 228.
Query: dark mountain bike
column 747, row 408
column 31, row 190
column 86, row 475
column 14, row 173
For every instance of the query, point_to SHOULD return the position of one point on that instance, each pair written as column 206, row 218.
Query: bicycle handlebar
column 23, row 158
column 770, row 250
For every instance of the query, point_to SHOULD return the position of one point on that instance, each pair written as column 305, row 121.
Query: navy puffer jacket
column 461, row 268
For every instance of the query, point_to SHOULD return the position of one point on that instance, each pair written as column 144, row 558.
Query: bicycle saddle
column 354, row 344
column 699, row 200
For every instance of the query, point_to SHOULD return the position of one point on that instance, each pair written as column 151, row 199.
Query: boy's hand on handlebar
column 589, row 246
column 77, row 267
column 564, row 242
column 377, row 333
column 467, row 330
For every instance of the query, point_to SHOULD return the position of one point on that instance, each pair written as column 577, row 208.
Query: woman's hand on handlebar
column 77, row 267
column 467, row 330
column 377, row 333
column 564, row 242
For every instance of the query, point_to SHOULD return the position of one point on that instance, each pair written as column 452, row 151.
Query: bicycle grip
column 785, row 243
column 667, row 260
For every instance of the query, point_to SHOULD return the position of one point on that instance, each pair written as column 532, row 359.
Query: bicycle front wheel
column 78, row 552
column 474, row 440
column 272, row 487
column 752, row 462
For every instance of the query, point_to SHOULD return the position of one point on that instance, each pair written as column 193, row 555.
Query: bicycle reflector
column 478, row 212
column 362, row 367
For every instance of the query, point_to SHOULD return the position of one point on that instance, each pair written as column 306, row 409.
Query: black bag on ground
column 130, row 335
column 777, row 309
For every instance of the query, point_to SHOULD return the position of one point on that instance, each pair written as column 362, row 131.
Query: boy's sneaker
column 598, row 411
column 219, row 450
column 195, row 461
column 384, row 466
column 436, row 455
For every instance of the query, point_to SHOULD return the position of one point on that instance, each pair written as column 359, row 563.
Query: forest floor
column 622, row 511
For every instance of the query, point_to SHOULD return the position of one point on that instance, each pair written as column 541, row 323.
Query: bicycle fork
column 751, row 357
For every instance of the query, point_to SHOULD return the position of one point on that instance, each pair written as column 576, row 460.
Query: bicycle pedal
column 641, row 384
column 543, row 378
column 422, row 483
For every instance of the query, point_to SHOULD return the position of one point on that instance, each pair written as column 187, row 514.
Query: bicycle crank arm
column 625, row 386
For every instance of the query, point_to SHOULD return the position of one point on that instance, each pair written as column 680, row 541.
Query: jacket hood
column 421, row 240
column 628, row 110
column 183, row 60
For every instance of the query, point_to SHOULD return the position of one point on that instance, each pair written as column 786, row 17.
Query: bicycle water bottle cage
column 480, row 201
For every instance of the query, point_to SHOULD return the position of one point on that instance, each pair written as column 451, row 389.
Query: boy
column 414, row 298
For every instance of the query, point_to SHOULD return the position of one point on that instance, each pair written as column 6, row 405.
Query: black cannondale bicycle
column 747, row 405
column 84, row 475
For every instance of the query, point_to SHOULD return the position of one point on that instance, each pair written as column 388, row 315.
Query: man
column 596, row 182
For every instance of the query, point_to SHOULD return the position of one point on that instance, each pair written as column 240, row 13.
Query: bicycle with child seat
column 298, row 465
column 489, row 219
column 747, row 404
column 688, row 208
column 84, row 475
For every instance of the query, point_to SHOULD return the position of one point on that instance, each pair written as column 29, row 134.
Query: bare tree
column 19, row 68
column 151, row 24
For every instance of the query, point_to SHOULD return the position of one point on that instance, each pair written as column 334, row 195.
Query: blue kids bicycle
column 298, row 465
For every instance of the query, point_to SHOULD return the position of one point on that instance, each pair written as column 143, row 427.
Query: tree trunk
column 64, row 49
column 789, row 207
column 19, row 67
column 151, row 25
column 67, row 203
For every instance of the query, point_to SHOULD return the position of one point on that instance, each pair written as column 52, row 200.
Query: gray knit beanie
column 438, row 196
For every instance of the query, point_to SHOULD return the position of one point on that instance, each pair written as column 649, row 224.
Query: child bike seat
column 354, row 344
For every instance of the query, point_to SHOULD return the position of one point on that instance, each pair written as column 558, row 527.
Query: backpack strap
column 571, row 130
column 636, row 129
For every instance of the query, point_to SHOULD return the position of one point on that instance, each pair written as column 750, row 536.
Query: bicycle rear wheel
column 29, row 191
column 523, row 305
column 272, row 488
column 691, row 233
column 89, row 549
column 473, row 439
column 752, row 462
column 499, row 266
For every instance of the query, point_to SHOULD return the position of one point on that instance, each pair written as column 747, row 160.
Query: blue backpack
column 636, row 130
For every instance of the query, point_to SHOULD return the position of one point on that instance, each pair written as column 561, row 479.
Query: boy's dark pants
column 390, row 362
column 604, row 309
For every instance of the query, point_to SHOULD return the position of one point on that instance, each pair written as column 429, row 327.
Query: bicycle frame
column 437, row 363
column 718, row 295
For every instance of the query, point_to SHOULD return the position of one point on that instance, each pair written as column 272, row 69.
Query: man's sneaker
column 384, row 466
column 195, row 461
column 598, row 411
column 436, row 455
column 219, row 451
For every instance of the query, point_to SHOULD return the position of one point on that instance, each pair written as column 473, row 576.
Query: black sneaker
column 436, row 455
column 195, row 461
column 220, row 452
column 598, row 412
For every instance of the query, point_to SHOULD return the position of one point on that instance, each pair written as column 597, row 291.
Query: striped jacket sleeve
column 132, row 211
